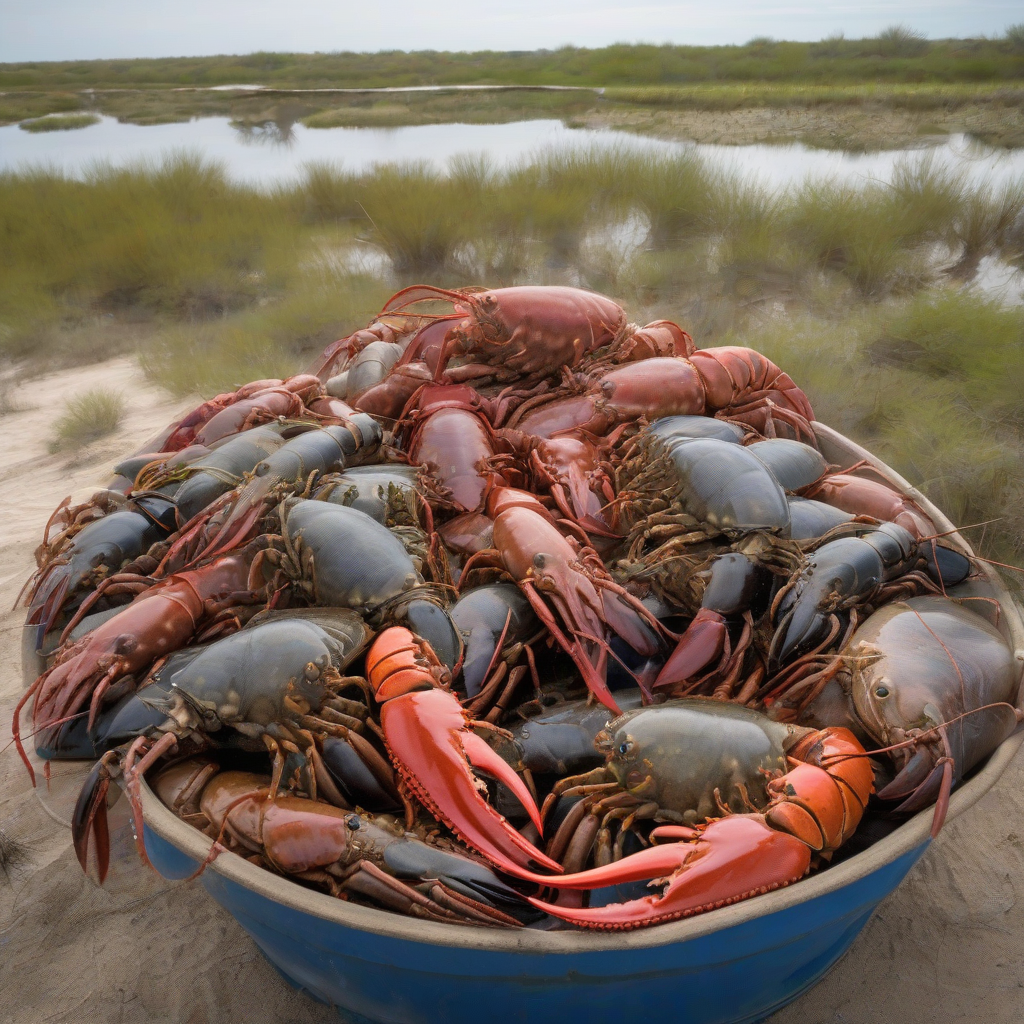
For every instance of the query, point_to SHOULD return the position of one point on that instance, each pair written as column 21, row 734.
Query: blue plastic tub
column 735, row 965
column 732, row 965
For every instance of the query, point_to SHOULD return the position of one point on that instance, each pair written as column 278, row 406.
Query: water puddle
column 271, row 154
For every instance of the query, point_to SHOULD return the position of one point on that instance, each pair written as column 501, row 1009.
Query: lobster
column 576, row 473
column 731, row 383
column 448, row 433
column 164, row 616
column 317, row 451
column 521, row 332
column 273, row 686
column 235, row 411
column 861, row 496
column 757, row 841
column 100, row 548
column 350, row 854
column 931, row 680
column 570, row 591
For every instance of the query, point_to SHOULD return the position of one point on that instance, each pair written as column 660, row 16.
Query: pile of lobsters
column 512, row 613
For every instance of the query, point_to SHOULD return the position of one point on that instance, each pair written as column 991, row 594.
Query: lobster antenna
column 933, row 733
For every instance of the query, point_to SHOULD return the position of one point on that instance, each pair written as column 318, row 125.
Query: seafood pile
column 512, row 613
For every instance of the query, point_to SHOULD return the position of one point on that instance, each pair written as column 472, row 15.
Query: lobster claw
column 703, row 642
column 800, row 629
column 730, row 859
column 89, row 819
column 430, row 740
column 924, row 779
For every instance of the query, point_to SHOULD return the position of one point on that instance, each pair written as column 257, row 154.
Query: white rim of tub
column 907, row 837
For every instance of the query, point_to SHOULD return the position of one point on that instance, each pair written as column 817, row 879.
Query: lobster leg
column 731, row 859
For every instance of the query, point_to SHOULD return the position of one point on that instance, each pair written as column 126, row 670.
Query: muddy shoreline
column 867, row 127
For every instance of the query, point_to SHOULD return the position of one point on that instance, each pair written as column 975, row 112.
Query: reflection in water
column 276, row 147
column 278, row 129
column 264, row 133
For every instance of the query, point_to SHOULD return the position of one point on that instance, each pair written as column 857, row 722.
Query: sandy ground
column 947, row 946
column 865, row 126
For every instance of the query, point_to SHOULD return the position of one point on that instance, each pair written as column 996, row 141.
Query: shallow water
column 269, row 155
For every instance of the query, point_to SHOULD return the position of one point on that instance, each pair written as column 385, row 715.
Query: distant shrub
column 901, row 41
column 831, row 45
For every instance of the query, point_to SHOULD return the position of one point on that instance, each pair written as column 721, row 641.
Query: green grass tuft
column 88, row 418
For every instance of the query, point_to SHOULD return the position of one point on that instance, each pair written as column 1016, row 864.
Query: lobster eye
column 353, row 822
column 881, row 691
column 539, row 559
column 624, row 747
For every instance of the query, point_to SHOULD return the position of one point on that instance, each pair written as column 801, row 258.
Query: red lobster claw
column 429, row 738
column 729, row 860
column 703, row 642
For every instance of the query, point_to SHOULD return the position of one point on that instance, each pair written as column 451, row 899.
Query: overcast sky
column 75, row 29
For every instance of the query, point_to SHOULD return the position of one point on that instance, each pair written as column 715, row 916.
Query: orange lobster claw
column 731, row 859
column 429, row 738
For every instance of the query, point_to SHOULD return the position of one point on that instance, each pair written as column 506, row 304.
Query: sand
column 947, row 946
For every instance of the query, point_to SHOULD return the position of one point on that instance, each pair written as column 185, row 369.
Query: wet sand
column 948, row 946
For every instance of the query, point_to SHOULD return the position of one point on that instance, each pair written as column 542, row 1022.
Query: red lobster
column 163, row 618
column 251, row 404
column 569, row 589
column 528, row 331
column 863, row 497
column 731, row 383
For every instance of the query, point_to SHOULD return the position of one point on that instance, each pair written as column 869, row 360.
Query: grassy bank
column 853, row 116
column 895, row 96
column 896, row 55
column 863, row 294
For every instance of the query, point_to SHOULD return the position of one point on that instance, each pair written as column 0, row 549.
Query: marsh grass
column 726, row 96
column 418, row 216
column 17, row 106
column 901, row 41
column 897, row 54
column 59, row 122
column 856, row 291
column 88, row 418
column 879, row 236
